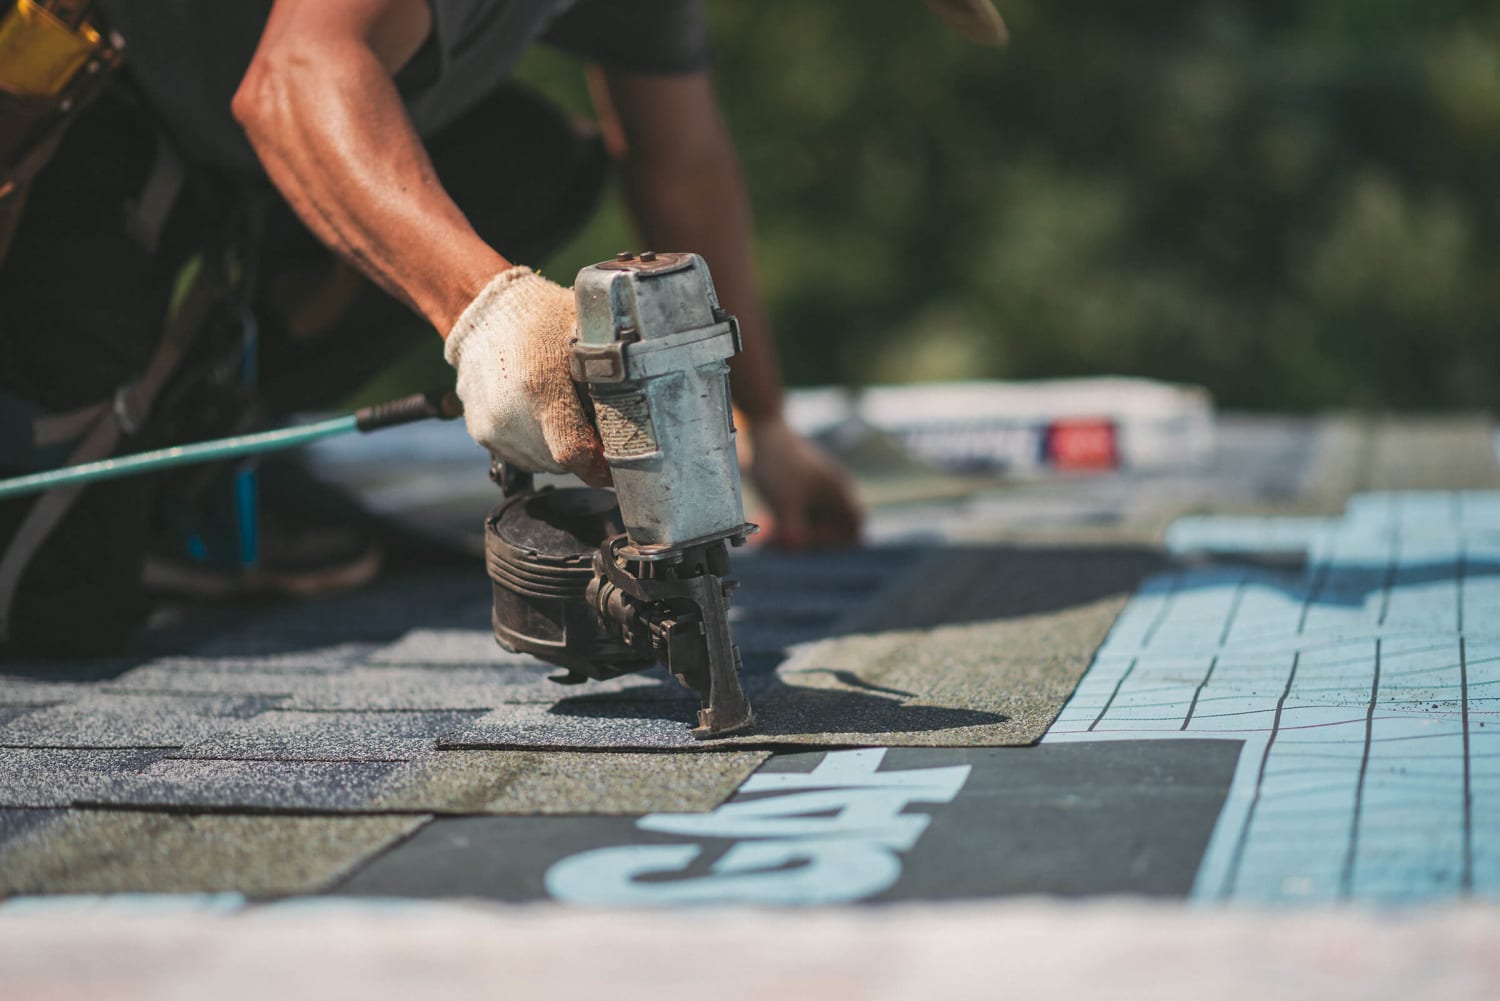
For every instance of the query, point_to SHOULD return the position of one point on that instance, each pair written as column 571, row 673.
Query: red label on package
column 1083, row 444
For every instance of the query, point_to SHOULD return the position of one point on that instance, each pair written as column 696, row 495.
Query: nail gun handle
column 441, row 404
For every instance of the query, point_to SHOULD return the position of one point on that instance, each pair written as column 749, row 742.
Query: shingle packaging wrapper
column 1025, row 429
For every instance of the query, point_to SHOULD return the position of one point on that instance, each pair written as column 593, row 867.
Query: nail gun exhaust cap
column 649, row 263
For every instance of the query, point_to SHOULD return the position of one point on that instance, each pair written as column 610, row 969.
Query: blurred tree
column 1297, row 205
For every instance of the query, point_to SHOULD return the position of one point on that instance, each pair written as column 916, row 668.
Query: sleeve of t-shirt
column 642, row 36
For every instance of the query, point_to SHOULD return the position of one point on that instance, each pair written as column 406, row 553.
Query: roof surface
column 1018, row 687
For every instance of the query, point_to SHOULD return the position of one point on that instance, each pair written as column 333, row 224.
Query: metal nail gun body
column 605, row 584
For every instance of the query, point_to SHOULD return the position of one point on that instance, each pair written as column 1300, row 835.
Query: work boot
column 208, row 545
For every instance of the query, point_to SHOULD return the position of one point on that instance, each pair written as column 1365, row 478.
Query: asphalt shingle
column 968, row 643
column 276, row 674
column 280, row 735
column 426, row 687
column 376, row 615
column 116, row 719
column 9, row 713
column 523, row 782
column 47, row 777
column 113, row 851
column 15, row 822
column 978, row 646
column 453, row 646
column 291, row 786
column 1453, row 453
column 22, row 691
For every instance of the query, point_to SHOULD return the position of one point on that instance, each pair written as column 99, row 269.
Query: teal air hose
column 440, row 405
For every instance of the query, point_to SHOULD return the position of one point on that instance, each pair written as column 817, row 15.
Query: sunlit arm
column 319, row 106
column 686, row 192
column 683, row 179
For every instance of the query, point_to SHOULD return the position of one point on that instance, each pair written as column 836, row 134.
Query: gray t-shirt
column 188, row 56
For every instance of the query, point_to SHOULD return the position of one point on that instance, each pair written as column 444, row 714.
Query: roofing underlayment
column 1270, row 678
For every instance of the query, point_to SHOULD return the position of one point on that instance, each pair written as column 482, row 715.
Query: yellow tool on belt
column 42, row 45
column 54, row 58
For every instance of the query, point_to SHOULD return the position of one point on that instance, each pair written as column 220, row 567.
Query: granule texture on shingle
column 18, row 690
column 276, row 674
column 124, row 720
column 41, row 777
column 8, row 713
column 375, row 615
column 454, row 646
column 1431, row 453
column 980, row 646
column 301, row 786
column 424, row 687
column 531, row 782
column 283, row 735
column 117, row 851
column 16, row 821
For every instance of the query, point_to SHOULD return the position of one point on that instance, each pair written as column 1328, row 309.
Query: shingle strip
column 45, row 777
column 88, row 851
column 529, row 782
column 282, row 735
column 286, row 786
column 121, row 720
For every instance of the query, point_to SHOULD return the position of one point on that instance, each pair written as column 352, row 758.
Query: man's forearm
column 320, row 108
column 687, row 193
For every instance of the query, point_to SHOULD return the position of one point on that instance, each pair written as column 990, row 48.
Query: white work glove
column 510, row 348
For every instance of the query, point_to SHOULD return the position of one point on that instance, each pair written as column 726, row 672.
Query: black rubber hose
column 442, row 404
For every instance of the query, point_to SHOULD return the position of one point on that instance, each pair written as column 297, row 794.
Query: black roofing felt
column 1123, row 817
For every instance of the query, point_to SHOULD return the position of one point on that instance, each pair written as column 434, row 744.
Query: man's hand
column 811, row 500
column 510, row 347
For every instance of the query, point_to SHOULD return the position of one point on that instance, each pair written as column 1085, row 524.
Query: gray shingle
column 15, row 822
column 328, row 736
column 113, row 851
column 289, row 786
column 425, row 687
column 1449, row 453
column 25, row 691
column 978, row 647
column 271, row 674
column 111, row 719
column 846, row 712
column 525, row 782
column 378, row 614
column 8, row 713
column 31, row 777
column 447, row 646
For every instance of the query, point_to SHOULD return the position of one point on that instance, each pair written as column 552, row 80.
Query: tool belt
column 55, row 58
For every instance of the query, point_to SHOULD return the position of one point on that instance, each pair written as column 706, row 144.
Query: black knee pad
column 81, row 595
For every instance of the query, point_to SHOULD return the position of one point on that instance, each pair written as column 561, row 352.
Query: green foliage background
column 1295, row 204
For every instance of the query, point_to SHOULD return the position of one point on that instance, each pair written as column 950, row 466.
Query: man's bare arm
column 324, row 116
column 322, row 111
column 686, row 190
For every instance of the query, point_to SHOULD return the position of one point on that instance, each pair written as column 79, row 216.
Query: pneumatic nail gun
column 605, row 583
